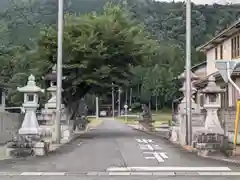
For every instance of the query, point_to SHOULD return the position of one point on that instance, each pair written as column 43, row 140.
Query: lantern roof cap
column 31, row 86
column 212, row 87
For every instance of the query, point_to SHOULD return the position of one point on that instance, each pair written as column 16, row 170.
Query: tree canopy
column 138, row 45
column 99, row 49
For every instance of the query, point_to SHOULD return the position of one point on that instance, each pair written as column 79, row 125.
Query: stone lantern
column 30, row 124
column 51, row 105
column 182, row 77
column 213, row 103
column 52, row 77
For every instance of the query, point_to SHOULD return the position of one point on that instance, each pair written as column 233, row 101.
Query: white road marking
column 146, row 147
column 158, row 156
column 31, row 174
column 219, row 173
column 119, row 174
column 149, row 157
column 138, row 171
column 54, row 173
column 169, row 168
column 146, row 141
column 149, row 147
column 163, row 155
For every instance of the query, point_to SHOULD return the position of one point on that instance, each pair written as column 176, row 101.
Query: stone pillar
column 30, row 124
column 198, row 97
column 3, row 100
column 213, row 103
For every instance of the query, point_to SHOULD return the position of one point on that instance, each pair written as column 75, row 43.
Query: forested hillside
column 23, row 20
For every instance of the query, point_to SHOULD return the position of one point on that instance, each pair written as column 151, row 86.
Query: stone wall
column 229, row 116
column 9, row 125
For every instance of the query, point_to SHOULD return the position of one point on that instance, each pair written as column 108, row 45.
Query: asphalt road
column 115, row 151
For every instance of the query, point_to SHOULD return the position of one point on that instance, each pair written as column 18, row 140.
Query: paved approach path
column 115, row 149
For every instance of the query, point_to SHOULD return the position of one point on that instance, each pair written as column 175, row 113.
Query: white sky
column 208, row 1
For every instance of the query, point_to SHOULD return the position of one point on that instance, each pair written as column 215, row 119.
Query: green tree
column 99, row 49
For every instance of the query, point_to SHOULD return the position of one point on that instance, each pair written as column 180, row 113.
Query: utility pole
column 188, row 73
column 126, row 97
column 130, row 100
column 113, row 102
column 119, row 102
column 59, row 72
column 97, row 109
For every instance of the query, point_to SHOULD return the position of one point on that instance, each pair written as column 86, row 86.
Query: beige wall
column 210, row 55
column 211, row 61
column 227, row 49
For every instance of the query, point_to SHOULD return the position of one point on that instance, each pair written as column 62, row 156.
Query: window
column 221, row 51
column 216, row 53
column 235, row 47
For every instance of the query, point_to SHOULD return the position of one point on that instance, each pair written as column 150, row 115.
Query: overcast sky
column 208, row 1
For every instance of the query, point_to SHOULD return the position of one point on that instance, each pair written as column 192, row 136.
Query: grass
column 129, row 120
column 159, row 119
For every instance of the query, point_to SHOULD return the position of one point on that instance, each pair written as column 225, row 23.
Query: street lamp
column 188, row 73
column 59, row 72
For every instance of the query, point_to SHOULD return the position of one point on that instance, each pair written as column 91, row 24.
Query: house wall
column 210, row 55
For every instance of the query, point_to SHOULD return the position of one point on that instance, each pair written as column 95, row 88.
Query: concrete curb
column 221, row 159
column 189, row 148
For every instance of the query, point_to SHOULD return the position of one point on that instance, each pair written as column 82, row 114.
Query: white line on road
column 219, row 173
column 128, row 173
column 146, row 141
column 31, row 174
column 169, row 168
column 146, row 146
column 163, row 155
column 158, row 156
column 54, row 174
column 149, row 157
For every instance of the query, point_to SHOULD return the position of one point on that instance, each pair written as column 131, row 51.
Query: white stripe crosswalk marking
column 168, row 168
column 130, row 173
column 219, row 173
column 54, row 173
column 31, row 174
